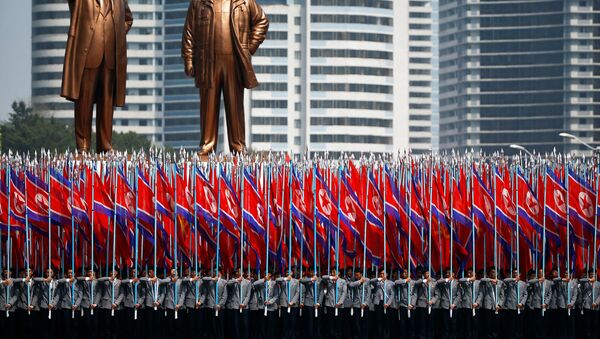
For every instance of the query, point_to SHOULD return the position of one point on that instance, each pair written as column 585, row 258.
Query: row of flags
column 411, row 211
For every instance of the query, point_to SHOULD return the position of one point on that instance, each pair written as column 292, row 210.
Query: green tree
column 27, row 131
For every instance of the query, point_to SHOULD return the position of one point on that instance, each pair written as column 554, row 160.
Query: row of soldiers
column 337, row 305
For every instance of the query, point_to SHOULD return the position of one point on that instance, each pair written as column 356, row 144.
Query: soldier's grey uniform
column 237, row 297
column 168, row 299
column 291, row 288
column 308, row 291
column 104, row 297
column 69, row 294
column 270, row 292
column 512, row 287
column 189, row 293
column 11, row 292
column 333, row 292
column 441, row 295
column 87, row 286
column 361, row 293
column 208, row 298
column 45, row 293
column 489, row 294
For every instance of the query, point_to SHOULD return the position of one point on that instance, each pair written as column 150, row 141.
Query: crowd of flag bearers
column 347, row 305
column 169, row 245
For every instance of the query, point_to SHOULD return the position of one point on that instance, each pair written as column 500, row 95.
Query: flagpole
column 495, row 234
column 429, row 236
column 544, row 246
column 241, row 266
column 176, row 247
column 114, row 241
column 155, row 178
column 93, row 172
column 8, row 174
column 137, row 206
column 72, row 285
column 218, row 238
column 518, row 263
column 290, row 230
column 27, row 245
column 409, row 191
column 314, row 189
column 196, row 230
column 362, row 310
column 268, row 207
column 451, row 233
column 595, row 231
column 473, row 238
column 384, row 239
column 49, row 231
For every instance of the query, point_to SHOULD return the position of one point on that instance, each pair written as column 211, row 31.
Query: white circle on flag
column 231, row 204
column 41, row 200
column 325, row 202
column 350, row 208
column 377, row 204
column 488, row 208
column 130, row 202
column 532, row 204
column 210, row 199
column 508, row 205
column 586, row 205
column 559, row 200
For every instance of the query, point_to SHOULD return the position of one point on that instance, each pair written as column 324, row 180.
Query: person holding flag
column 420, row 303
column 360, row 324
column 334, row 293
column 487, row 302
column 238, row 297
column 69, row 301
column 403, row 286
column 307, row 302
column 214, row 285
column 468, row 287
column 288, row 303
column 269, row 288
column 512, row 301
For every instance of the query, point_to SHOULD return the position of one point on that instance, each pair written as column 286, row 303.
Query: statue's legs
column 97, row 86
column 226, row 79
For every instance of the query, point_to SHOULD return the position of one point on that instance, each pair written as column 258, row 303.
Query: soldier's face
column 554, row 274
column 493, row 274
column 151, row 273
column 69, row 274
column 404, row 275
column 357, row 276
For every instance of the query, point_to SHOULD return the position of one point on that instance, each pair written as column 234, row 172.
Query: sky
column 15, row 55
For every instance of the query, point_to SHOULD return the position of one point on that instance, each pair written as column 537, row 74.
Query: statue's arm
column 128, row 17
column 187, row 40
column 259, row 27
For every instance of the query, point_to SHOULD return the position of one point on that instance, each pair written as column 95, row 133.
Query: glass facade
column 517, row 72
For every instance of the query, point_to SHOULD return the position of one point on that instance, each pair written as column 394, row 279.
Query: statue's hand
column 189, row 69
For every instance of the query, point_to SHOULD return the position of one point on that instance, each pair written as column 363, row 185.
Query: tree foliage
column 27, row 131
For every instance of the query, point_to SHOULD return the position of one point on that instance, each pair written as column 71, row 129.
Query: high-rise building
column 335, row 75
column 519, row 72
column 143, row 110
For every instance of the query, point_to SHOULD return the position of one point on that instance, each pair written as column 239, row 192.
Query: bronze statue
column 219, row 38
column 95, row 67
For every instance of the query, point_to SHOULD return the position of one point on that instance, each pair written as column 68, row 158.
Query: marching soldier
column 131, row 299
column 512, row 301
column 564, row 298
column 238, row 297
column 189, row 295
column 310, row 304
column 404, row 287
column 8, row 300
column 360, row 289
column 150, row 290
column 256, row 315
column 468, row 288
column 215, row 298
column 334, row 294
column 105, row 301
column 289, row 299
column 270, row 291
column 487, row 302
column 69, row 300
column 88, row 289
column 23, row 289
column 539, row 295
column 445, row 290
column 384, row 298
column 420, row 302
column 589, row 298
column 45, row 297
column 168, row 299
